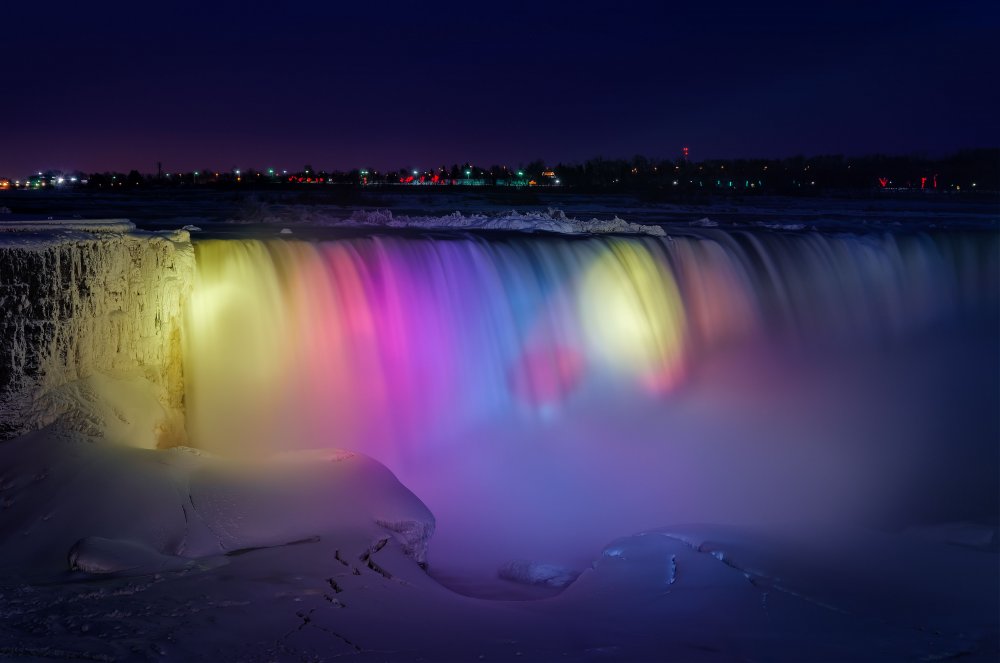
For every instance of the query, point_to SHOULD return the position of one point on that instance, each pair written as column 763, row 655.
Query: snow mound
column 537, row 573
column 113, row 508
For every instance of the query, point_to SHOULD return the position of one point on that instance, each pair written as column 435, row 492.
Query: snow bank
column 111, row 508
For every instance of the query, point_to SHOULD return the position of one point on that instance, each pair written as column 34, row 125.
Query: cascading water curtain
column 378, row 343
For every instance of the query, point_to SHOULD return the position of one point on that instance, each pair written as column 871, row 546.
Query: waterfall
column 380, row 343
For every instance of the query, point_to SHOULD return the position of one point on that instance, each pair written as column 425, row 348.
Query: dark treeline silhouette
column 967, row 171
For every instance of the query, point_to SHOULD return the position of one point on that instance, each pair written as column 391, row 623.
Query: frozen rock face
column 91, row 302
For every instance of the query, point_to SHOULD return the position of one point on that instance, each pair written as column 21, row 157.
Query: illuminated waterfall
column 378, row 343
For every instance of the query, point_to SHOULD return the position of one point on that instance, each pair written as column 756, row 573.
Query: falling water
column 575, row 389
column 376, row 343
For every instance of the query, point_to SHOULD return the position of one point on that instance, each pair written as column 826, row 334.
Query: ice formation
column 86, row 299
column 553, row 221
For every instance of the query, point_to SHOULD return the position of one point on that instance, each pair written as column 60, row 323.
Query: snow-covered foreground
column 109, row 552
column 219, row 574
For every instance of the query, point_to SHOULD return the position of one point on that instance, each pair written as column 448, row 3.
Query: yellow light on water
column 633, row 315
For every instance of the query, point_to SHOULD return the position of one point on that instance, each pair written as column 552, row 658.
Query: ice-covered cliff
column 91, row 311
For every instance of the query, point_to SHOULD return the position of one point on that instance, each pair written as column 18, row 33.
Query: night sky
column 101, row 85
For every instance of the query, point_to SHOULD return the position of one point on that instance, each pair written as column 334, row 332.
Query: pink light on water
column 383, row 344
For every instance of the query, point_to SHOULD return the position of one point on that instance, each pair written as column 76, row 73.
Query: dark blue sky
column 104, row 85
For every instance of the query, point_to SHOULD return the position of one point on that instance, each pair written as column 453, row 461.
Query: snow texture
column 110, row 508
column 552, row 221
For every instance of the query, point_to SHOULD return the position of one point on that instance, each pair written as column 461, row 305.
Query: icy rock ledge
column 82, row 299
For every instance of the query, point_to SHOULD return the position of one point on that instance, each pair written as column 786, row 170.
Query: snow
column 16, row 224
column 551, row 221
column 345, row 587
column 705, row 223
column 113, row 508
column 537, row 573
